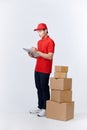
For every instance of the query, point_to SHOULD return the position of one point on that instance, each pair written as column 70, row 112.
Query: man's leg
column 39, row 91
column 44, row 79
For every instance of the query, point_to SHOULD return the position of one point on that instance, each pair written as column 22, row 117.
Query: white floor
column 26, row 121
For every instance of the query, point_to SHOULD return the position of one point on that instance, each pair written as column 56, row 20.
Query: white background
column 67, row 23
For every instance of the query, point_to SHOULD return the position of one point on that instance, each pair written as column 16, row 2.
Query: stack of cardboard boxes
column 60, row 106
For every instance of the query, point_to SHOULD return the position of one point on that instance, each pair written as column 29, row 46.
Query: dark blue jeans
column 41, row 82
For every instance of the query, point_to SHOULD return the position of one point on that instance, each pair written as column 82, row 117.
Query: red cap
column 41, row 26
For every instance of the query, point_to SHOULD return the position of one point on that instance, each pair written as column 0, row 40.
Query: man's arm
column 48, row 56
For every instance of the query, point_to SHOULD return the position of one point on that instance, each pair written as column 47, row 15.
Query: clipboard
column 31, row 52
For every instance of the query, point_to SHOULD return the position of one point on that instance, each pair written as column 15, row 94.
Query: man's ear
column 46, row 31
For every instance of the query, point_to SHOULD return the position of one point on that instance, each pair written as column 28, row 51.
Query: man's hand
column 34, row 49
column 30, row 55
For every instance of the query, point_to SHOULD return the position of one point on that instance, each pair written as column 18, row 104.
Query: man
column 45, row 49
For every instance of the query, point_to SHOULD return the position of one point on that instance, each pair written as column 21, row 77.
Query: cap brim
column 38, row 29
column 35, row 29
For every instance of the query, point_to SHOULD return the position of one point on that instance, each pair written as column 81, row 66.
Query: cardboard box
column 60, row 75
column 60, row 111
column 61, row 68
column 61, row 96
column 61, row 84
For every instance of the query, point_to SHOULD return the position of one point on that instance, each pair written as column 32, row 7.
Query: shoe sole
column 33, row 113
column 41, row 116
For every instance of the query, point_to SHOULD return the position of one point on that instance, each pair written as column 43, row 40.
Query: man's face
column 42, row 33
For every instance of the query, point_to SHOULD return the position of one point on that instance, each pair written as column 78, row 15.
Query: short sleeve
column 51, row 47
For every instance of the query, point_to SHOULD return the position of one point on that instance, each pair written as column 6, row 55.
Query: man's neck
column 44, row 36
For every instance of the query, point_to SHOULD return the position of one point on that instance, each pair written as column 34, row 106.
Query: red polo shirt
column 45, row 45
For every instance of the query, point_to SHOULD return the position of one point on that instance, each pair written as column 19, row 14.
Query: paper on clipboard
column 31, row 52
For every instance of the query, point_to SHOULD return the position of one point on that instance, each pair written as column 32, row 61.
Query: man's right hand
column 30, row 55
